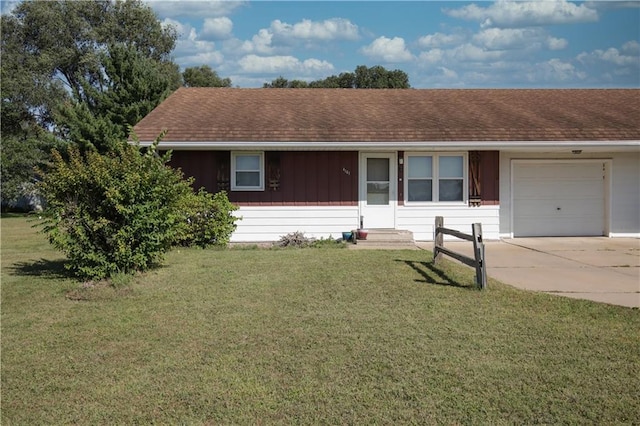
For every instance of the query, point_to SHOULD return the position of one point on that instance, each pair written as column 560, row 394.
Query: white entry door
column 378, row 190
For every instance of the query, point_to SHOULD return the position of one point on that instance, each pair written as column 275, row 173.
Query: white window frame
column 435, row 179
column 234, row 156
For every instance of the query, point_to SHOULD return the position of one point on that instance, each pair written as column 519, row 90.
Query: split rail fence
column 478, row 262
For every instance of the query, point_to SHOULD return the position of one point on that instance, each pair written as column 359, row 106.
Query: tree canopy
column 81, row 71
column 376, row 77
column 66, row 63
column 203, row 76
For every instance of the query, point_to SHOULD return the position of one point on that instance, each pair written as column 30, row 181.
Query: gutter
column 560, row 146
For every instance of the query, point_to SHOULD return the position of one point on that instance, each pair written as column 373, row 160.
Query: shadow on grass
column 44, row 268
column 432, row 275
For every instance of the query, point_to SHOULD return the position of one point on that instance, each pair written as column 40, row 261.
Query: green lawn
column 310, row 336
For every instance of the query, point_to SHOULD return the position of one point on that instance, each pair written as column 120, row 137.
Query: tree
column 278, row 83
column 25, row 113
column 24, row 140
column 83, row 71
column 298, row 84
column 376, row 77
column 203, row 76
column 61, row 47
column 131, row 87
column 19, row 159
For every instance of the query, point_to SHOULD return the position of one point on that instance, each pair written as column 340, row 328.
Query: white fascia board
column 546, row 146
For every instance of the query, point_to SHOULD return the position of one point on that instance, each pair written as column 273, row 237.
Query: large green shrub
column 119, row 212
column 206, row 219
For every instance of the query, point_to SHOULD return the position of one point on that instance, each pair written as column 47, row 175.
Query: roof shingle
column 348, row 115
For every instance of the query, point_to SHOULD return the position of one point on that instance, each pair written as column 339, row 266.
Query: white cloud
column 190, row 49
column 612, row 4
column 517, row 38
column 472, row 53
column 464, row 57
column 197, row 9
column 259, row 43
column 514, row 14
column 627, row 56
column 211, row 58
column 280, row 36
column 507, row 38
column 501, row 73
column 631, row 48
column 614, row 56
column 448, row 74
column 556, row 71
column 180, row 28
column 314, row 65
column 459, row 55
column 433, row 56
column 556, row 43
column 282, row 64
column 330, row 29
column 439, row 40
column 268, row 64
column 217, row 28
column 388, row 50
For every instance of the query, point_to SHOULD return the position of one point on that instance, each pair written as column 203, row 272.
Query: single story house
column 523, row 162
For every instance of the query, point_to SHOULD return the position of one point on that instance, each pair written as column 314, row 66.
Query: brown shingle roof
column 348, row 115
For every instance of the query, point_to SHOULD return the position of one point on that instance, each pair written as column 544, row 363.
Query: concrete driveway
column 595, row 268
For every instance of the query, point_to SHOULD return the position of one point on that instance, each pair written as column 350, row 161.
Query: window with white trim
column 420, row 178
column 435, row 178
column 247, row 171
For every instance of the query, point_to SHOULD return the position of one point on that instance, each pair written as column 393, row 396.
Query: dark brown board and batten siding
column 308, row 178
column 305, row 178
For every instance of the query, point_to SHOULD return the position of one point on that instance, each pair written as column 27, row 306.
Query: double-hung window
column 435, row 178
column 247, row 171
column 420, row 178
column 450, row 178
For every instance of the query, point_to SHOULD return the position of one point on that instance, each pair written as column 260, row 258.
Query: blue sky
column 549, row 43
column 544, row 43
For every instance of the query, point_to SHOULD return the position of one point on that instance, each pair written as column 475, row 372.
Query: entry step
column 387, row 239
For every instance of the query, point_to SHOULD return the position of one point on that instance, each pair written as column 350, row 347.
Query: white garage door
column 558, row 199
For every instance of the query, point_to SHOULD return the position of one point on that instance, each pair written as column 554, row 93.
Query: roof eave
column 597, row 145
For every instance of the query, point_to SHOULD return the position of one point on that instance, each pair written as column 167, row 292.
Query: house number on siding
column 347, row 172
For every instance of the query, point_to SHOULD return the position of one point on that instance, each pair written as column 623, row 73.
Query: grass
column 309, row 336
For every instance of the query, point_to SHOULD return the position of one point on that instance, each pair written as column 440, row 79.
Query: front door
column 378, row 190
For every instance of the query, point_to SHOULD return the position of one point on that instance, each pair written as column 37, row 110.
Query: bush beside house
column 122, row 211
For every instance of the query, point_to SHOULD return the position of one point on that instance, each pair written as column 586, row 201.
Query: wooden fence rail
column 478, row 262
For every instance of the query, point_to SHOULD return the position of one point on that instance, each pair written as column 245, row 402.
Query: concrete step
column 386, row 239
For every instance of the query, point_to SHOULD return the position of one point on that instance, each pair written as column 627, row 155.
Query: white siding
column 421, row 220
column 625, row 195
column 271, row 223
column 622, row 192
column 266, row 223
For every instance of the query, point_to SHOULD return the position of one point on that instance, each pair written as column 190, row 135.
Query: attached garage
column 556, row 198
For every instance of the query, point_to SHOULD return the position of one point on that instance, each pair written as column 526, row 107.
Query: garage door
column 558, row 199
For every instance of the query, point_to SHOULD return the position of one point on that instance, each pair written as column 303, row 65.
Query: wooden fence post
column 438, row 240
column 478, row 251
